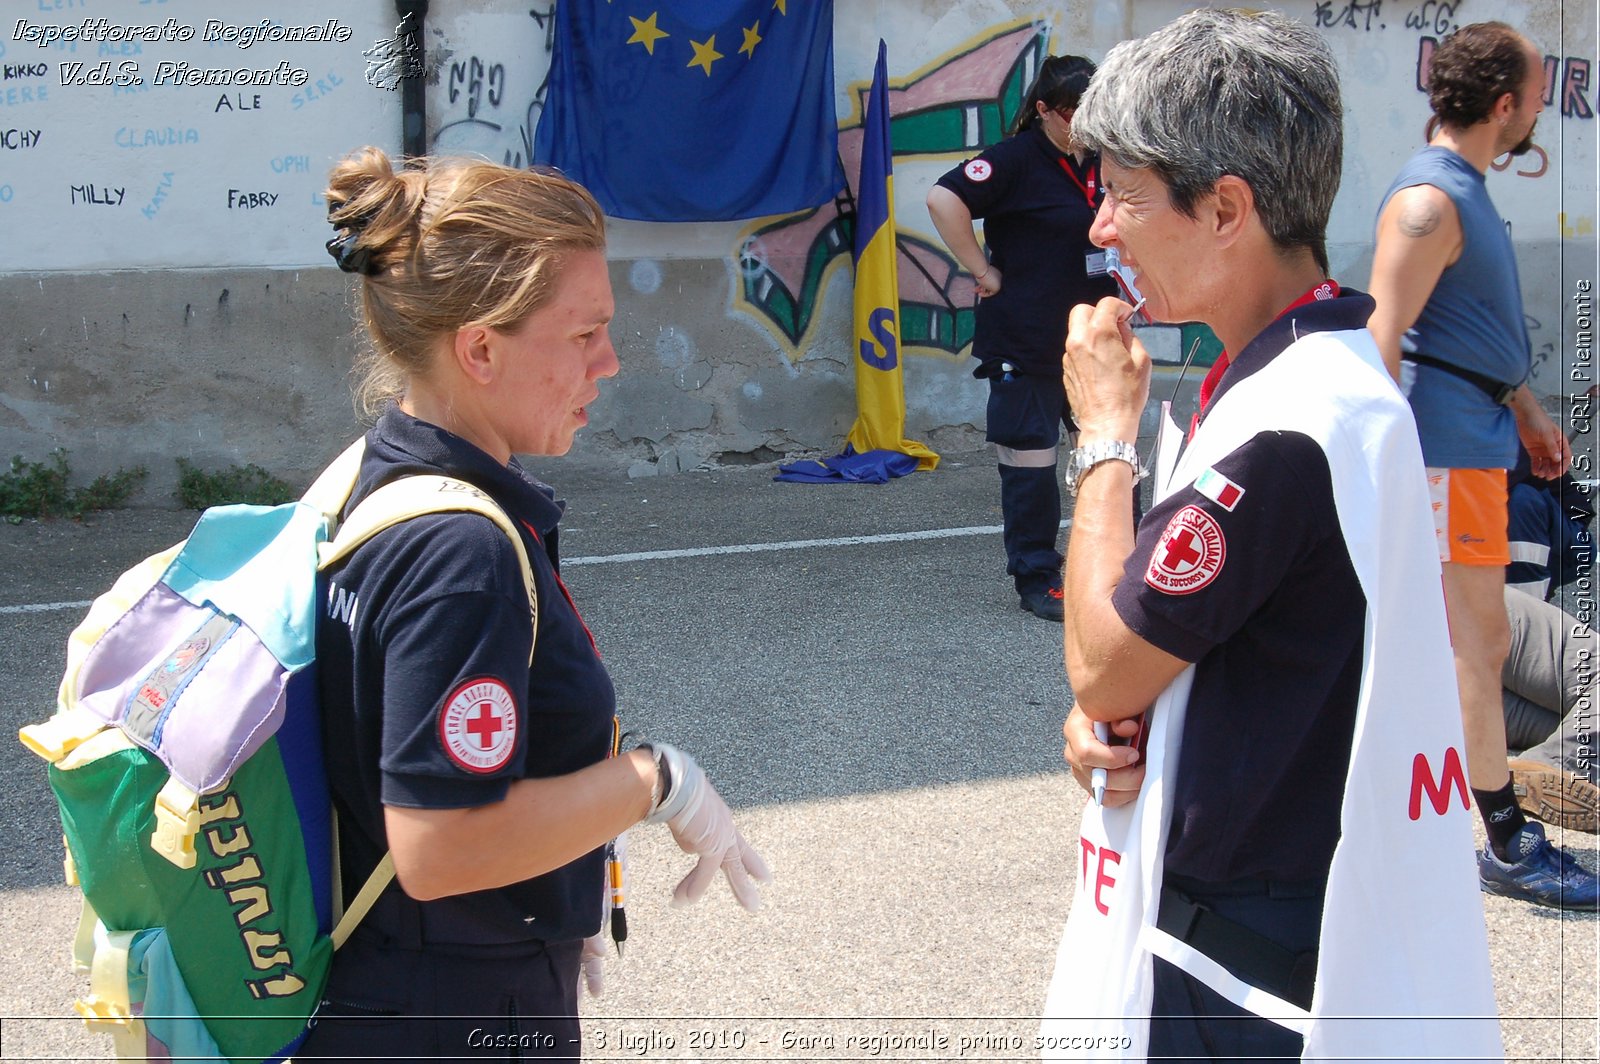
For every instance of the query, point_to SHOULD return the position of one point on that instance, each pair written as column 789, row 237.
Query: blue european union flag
column 699, row 110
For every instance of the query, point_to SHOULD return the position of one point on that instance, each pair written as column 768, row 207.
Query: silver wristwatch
column 1083, row 459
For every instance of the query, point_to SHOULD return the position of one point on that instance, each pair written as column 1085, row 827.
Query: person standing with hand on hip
column 1036, row 193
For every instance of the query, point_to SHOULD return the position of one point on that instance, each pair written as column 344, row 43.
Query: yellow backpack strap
column 64, row 732
column 397, row 501
column 364, row 900
column 401, row 500
column 334, row 484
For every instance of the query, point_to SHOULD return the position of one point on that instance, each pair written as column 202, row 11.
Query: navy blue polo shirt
column 1251, row 580
column 1036, row 217
column 429, row 701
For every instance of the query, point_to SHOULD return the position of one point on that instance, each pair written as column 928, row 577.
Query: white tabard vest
column 1403, row 970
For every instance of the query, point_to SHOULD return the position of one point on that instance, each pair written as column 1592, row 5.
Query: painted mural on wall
column 953, row 108
column 739, row 333
column 964, row 100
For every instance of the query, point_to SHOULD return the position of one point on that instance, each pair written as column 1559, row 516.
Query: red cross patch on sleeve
column 478, row 725
column 978, row 170
column 1189, row 555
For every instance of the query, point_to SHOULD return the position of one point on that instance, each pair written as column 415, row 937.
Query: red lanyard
column 1088, row 189
column 1326, row 290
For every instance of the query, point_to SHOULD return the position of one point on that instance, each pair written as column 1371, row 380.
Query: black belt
column 1499, row 391
column 1251, row 956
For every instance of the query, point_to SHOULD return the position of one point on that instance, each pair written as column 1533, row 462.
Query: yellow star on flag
column 705, row 54
column 752, row 37
column 782, row 6
column 646, row 32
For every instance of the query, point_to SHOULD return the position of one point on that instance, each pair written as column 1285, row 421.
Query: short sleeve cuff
column 1156, row 630
column 433, row 792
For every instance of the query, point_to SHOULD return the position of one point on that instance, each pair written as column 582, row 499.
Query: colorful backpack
column 185, row 756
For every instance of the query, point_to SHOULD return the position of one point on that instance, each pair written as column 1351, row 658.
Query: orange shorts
column 1469, row 515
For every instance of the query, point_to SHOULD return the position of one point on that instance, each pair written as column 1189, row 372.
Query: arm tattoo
column 1419, row 219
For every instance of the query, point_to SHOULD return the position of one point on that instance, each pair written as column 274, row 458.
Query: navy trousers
column 1191, row 1022
column 387, row 1002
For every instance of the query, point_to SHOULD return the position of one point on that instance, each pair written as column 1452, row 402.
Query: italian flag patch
column 1219, row 489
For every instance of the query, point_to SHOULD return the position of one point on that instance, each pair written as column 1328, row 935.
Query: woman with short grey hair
column 1272, row 635
column 1254, row 96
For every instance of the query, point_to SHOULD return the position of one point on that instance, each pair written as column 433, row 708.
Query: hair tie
column 351, row 259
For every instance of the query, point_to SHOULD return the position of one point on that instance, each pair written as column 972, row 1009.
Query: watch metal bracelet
column 1085, row 458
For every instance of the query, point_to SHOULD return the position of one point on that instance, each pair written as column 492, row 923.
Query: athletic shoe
column 1541, row 874
column 1557, row 797
column 1045, row 602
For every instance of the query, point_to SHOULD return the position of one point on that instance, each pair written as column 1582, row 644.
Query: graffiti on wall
column 1566, row 78
column 483, row 111
column 951, row 109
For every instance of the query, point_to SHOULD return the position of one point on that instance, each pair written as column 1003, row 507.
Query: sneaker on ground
column 1555, row 796
column 1539, row 873
column 1045, row 602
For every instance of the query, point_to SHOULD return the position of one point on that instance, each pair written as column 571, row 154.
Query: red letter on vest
column 1438, row 792
column 1103, row 880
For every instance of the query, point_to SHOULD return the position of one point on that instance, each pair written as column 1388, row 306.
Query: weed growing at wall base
column 39, row 489
column 251, row 484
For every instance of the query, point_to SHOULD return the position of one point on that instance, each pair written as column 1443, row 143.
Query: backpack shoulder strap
column 362, row 903
column 401, row 500
column 395, row 502
column 334, row 484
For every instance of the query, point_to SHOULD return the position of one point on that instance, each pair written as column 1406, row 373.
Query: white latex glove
column 701, row 823
column 592, row 964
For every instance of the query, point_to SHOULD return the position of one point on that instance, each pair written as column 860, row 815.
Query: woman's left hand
column 701, row 823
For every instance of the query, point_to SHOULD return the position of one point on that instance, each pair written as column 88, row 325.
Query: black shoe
column 1046, row 603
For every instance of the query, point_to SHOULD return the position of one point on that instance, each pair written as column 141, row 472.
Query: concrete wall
column 174, row 321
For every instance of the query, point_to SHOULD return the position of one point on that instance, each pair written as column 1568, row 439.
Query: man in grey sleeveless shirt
column 1449, row 323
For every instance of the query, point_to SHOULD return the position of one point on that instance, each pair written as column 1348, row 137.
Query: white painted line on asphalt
column 44, row 607
column 685, row 552
column 794, row 544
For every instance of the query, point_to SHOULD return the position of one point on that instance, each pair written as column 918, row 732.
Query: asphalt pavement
column 850, row 665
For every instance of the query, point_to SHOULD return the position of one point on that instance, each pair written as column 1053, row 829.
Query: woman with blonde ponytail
column 469, row 737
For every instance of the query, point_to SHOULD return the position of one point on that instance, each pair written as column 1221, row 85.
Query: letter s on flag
column 878, row 324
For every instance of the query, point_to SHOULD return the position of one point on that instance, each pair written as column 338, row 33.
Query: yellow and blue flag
column 694, row 110
column 880, row 384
